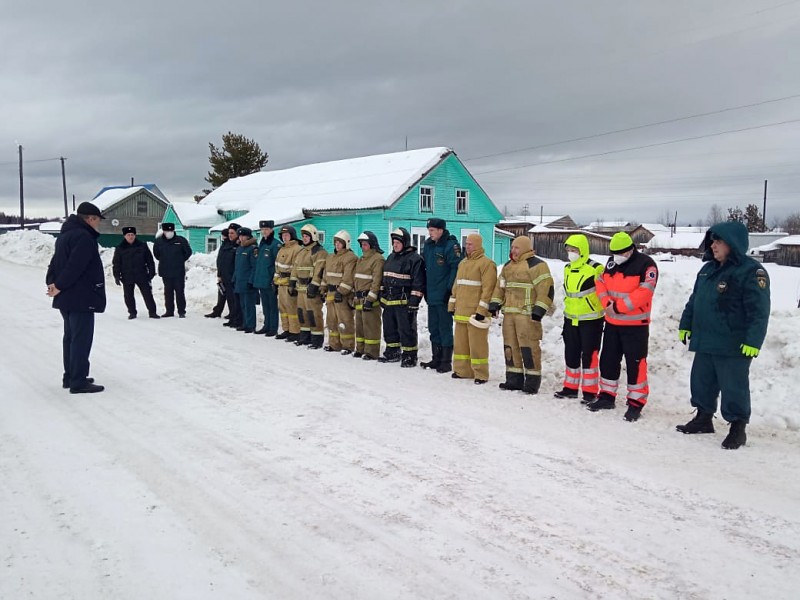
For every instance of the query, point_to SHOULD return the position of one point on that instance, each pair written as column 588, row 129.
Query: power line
column 634, row 128
column 654, row 145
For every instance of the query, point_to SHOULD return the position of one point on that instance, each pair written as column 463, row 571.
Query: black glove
column 536, row 316
column 479, row 317
column 367, row 306
column 494, row 308
column 116, row 280
column 313, row 290
column 292, row 288
column 337, row 297
column 413, row 308
column 413, row 302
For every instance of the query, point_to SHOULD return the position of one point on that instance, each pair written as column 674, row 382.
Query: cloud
column 140, row 90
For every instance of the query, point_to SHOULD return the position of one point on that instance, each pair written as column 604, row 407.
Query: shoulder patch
column 762, row 278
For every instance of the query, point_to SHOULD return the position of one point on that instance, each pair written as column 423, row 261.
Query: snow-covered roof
column 503, row 232
column 110, row 197
column 607, row 224
column 789, row 240
column 656, row 227
column 151, row 187
column 538, row 219
column 356, row 183
column 51, row 227
column 690, row 240
column 192, row 214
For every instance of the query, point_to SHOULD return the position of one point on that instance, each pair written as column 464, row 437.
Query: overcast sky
column 139, row 90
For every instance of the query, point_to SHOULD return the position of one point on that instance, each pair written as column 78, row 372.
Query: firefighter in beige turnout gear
column 307, row 270
column 367, row 279
column 287, row 291
column 469, row 302
column 338, row 283
column 525, row 293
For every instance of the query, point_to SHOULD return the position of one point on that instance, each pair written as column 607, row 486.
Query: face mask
column 169, row 234
column 620, row 259
column 573, row 256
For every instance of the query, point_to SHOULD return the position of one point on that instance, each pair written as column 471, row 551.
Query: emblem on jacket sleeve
column 762, row 278
column 722, row 287
column 457, row 250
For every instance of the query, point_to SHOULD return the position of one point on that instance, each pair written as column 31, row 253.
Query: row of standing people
column 606, row 309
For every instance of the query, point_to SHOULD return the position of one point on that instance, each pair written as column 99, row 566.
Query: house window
column 141, row 207
column 418, row 237
column 462, row 202
column 425, row 199
column 321, row 237
column 211, row 244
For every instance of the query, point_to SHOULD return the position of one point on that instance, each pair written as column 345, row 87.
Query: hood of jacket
column 580, row 242
column 248, row 242
column 732, row 233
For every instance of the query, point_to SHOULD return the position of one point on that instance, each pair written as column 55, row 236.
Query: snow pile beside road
column 27, row 247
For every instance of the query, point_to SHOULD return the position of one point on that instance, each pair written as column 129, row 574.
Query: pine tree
column 238, row 156
column 735, row 214
column 753, row 218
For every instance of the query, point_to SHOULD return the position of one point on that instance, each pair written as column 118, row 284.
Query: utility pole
column 406, row 143
column 764, row 212
column 73, row 202
column 21, row 193
column 64, row 186
column 541, row 214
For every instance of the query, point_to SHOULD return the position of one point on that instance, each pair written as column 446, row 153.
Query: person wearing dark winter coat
column 133, row 266
column 76, row 283
column 264, row 275
column 402, row 289
column 172, row 251
column 226, row 264
column 725, row 323
column 243, row 279
column 442, row 255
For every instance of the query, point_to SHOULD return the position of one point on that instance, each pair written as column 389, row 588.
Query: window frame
column 141, row 202
column 431, row 195
column 465, row 211
column 212, row 240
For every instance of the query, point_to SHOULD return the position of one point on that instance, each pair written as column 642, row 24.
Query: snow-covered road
column 223, row 465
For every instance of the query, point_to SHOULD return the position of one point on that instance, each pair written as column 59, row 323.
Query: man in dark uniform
column 442, row 254
column 725, row 323
column 265, row 274
column 76, row 283
column 172, row 251
column 402, row 289
column 226, row 258
column 243, row 278
column 133, row 266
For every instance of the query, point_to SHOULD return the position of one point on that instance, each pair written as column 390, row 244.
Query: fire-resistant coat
column 629, row 287
column 339, row 271
column 525, row 286
column 367, row 276
column 309, row 266
column 284, row 262
column 472, row 289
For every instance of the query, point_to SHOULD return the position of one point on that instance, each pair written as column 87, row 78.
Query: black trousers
column 581, row 341
column 631, row 343
column 174, row 294
column 147, row 294
column 228, row 297
column 399, row 329
column 77, row 345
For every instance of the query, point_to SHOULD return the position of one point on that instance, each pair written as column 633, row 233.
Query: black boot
column 409, row 359
column 701, row 423
column 588, row 398
column 566, row 393
column 433, row 363
column 446, row 363
column 303, row 338
column 604, row 402
column 390, row 355
column 633, row 413
column 282, row 335
column 514, row 381
column 736, row 436
column 293, row 337
column 315, row 342
column 532, row 383
column 261, row 331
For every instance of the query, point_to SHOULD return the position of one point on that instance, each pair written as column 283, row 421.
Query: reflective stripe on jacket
column 629, row 287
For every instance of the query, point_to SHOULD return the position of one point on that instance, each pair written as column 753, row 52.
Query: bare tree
column 792, row 224
column 715, row 215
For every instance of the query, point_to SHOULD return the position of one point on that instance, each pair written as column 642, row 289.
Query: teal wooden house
column 377, row 193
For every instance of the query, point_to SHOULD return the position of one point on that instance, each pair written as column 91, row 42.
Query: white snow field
column 224, row 465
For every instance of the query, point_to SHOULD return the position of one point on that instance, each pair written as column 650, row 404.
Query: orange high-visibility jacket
column 629, row 287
